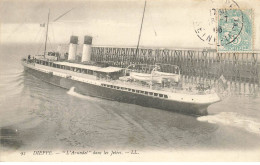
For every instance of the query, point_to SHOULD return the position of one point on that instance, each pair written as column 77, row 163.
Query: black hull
column 118, row 95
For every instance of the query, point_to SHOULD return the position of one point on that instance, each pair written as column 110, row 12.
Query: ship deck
column 176, row 95
column 135, row 85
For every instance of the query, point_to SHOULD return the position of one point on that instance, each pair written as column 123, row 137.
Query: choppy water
column 37, row 115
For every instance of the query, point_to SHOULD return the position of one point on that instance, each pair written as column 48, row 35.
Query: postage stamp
column 235, row 30
column 207, row 29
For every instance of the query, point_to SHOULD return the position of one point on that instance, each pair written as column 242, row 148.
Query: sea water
column 35, row 115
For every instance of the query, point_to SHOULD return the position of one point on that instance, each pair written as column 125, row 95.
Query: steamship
column 157, row 86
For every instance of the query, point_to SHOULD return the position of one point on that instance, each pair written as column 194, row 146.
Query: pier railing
column 195, row 65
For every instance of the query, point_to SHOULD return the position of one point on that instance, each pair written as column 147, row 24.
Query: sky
column 167, row 23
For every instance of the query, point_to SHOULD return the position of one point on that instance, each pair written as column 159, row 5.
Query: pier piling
column 238, row 69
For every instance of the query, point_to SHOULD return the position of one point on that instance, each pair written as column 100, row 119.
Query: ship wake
column 78, row 95
column 233, row 119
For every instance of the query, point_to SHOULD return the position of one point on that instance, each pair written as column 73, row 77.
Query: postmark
column 207, row 30
column 235, row 30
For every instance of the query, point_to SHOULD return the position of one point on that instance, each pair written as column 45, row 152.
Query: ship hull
column 118, row 95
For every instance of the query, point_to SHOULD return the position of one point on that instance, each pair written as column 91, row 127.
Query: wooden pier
column 240, row 70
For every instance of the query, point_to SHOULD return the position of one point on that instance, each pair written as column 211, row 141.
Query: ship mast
column 46, row 37
column 140, row 30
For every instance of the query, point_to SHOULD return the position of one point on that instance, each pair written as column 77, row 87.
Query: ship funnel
column 73, row 47
column 86, row 54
